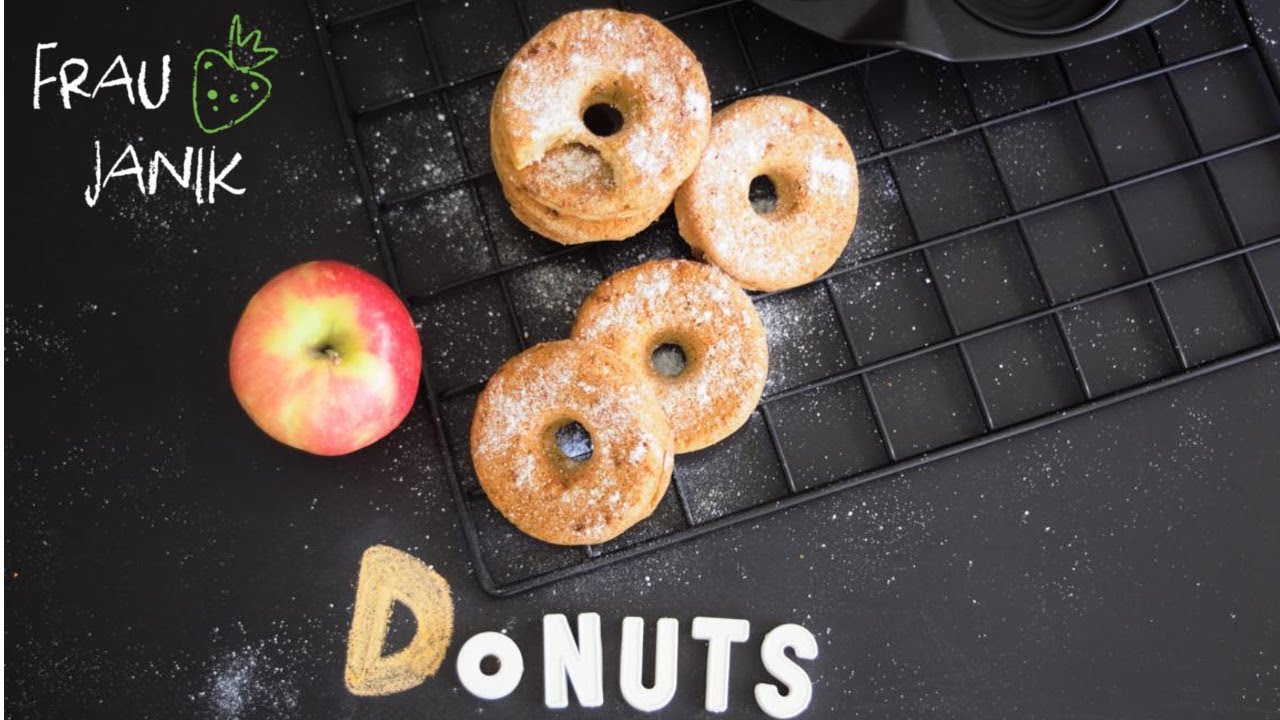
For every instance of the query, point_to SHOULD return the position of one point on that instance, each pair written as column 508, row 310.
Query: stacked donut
column 594, row 124
column 597, row 124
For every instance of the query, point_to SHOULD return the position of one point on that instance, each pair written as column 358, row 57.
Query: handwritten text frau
column 197, row 171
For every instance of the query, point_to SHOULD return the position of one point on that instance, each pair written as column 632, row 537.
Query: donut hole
column 490, row 664
column 602, row 119
column 574, row 442
column 668, row 359
column 763, row 194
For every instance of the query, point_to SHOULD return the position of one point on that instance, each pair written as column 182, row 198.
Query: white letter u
column 648, row 699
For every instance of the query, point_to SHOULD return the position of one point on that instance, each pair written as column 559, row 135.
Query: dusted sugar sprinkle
column 700, row 310
column 516, row 405
column 572, row 166
column 244, row 683
column 830, row 174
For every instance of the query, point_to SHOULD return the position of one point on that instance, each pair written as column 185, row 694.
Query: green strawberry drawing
column 227, row 87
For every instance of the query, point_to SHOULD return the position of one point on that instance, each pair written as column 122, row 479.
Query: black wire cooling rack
column 1038, row 239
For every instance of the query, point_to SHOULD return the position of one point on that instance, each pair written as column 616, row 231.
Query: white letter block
column 580, row 662
column 799, row 687
column 510, row 668
column 720, row 634
column 664, row 664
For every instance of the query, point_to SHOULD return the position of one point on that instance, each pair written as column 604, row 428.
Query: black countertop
column 163, row 558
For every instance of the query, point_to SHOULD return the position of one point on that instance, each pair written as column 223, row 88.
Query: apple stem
column 333, row 356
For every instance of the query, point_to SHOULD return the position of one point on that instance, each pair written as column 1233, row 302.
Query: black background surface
column 163, row 558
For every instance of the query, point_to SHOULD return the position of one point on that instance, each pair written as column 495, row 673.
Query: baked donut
column 815, row 178
column 564, row 228
column 643, row 311
column 572, row 231
column 541, row 490
column 630, row 69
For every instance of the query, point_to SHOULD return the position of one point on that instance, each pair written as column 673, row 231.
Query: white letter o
column 510, row 670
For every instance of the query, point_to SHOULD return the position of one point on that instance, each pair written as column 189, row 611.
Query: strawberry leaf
column 245, row 50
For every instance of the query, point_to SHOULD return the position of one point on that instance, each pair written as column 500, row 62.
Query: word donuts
column 572, row 663
column 594, row 124
column 694, row 336
column 802, row 232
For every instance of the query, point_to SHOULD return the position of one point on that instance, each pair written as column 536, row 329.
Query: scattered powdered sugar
column 243, row 684
column 1268, row 35
column 805, row 341
column 834, row 175
column 549, row 294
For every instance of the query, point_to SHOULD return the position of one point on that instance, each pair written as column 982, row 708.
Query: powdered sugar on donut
column 591, row 56
column 525, row 471
column 515, row 403
column 696, row 103
column 830, row 174
column 648, row 158
column 532, row 395
column 701, row 309
column 572, row 164
column 813, row 170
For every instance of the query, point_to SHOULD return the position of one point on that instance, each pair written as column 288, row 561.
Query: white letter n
column 578, row 662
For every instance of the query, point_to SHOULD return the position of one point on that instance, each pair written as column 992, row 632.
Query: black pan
column 967, row 30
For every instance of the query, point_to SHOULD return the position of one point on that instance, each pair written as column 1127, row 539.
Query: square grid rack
column 1038, row 239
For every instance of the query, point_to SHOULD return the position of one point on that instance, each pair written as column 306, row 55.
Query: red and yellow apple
column 325, row 358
